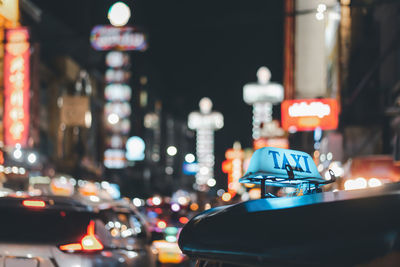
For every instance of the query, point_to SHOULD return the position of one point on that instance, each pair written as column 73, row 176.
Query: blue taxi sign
column 281, row 167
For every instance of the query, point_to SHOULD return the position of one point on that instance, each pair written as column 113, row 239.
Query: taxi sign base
column 284, row 168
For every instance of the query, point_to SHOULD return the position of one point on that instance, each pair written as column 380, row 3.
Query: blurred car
column 60, row 231
column 129, row 232
column 370, row 171
column 169, row 252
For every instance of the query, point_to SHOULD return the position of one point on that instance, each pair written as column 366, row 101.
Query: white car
column 60, row 231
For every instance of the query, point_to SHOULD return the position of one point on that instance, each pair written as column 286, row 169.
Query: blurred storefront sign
column 370, row 171
column 62, row 187
column 117, row 59
column 190, row 168
column 9, row 10
column 117, row 111
column 278, row 142
column 123, row 126
column 122, row 109
column 114, row 158
column 118, row 92
column 233, row 166
column 135, row 147
column 316, row 35
column 116, row 141
column 308, row 114
column 74, row 110
column 16, row 87
column 106, row 37
column 117, row 76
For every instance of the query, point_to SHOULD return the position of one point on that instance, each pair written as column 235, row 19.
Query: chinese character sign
column 16, row 87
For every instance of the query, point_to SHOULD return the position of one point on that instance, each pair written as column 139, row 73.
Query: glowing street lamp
column 190, row 158
column 172, row 150
column 205, row 123
column 262, row 95
column 119, row 14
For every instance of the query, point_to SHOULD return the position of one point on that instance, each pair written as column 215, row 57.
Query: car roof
column 52, row 202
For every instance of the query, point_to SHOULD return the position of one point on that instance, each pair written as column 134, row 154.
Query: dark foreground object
column 332, row 228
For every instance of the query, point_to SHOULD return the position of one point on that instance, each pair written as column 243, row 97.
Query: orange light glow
column 194, row 206
column 34, row 203
column 71, row 247
column 309, row 122
column 278, row 142
column 183, row 220
column 158, row 210
column 91, row 243
column 226, row 197
column 1, row 157
column 307, row 114
column 227, row 166
column 88, row 243
column 161, row 224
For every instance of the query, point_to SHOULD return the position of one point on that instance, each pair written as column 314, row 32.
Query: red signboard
column 279, row 142
column 106, row 37
column 308, row 114
column 16, row 87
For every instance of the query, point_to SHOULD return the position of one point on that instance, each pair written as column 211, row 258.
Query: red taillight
column 183, row 220
column 34, row 203
column 71, row 247
column 88, row 243
column 161, row 224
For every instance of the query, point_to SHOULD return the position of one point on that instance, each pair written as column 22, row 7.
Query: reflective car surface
column 128, row 233
column 60, row 231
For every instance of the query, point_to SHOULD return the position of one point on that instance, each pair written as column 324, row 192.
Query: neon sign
column 233, row 166
column 308, row 114
column 104, row 37
column 16, row 87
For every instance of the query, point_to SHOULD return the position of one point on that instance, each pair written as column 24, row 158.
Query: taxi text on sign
column 271, row 162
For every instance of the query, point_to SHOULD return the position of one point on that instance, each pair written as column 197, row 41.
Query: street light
column 190, row 158
column 119, row 14
column 113, row 118
column 32, row 158
column 205, row 123
column 171, row 151
column 17, row 153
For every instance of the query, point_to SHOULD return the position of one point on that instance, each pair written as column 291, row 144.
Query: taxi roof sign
column 282, row 167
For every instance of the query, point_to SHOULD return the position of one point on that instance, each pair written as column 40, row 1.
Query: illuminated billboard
column 107, row 37
column 16, row 87
column 308, row 114
column 278, row 142
column 118, row 92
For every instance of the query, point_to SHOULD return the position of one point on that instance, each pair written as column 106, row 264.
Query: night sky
column 196, row 49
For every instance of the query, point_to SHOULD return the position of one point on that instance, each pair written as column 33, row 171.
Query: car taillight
column 34, row 203
column 88, row 243
column 71, row 247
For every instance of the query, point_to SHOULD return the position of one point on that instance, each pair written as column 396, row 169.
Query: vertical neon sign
column 16, row 87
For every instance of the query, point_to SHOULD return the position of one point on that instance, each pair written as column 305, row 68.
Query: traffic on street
column 145, row 133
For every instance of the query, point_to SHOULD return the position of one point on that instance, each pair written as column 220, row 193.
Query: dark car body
column 344, row 228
